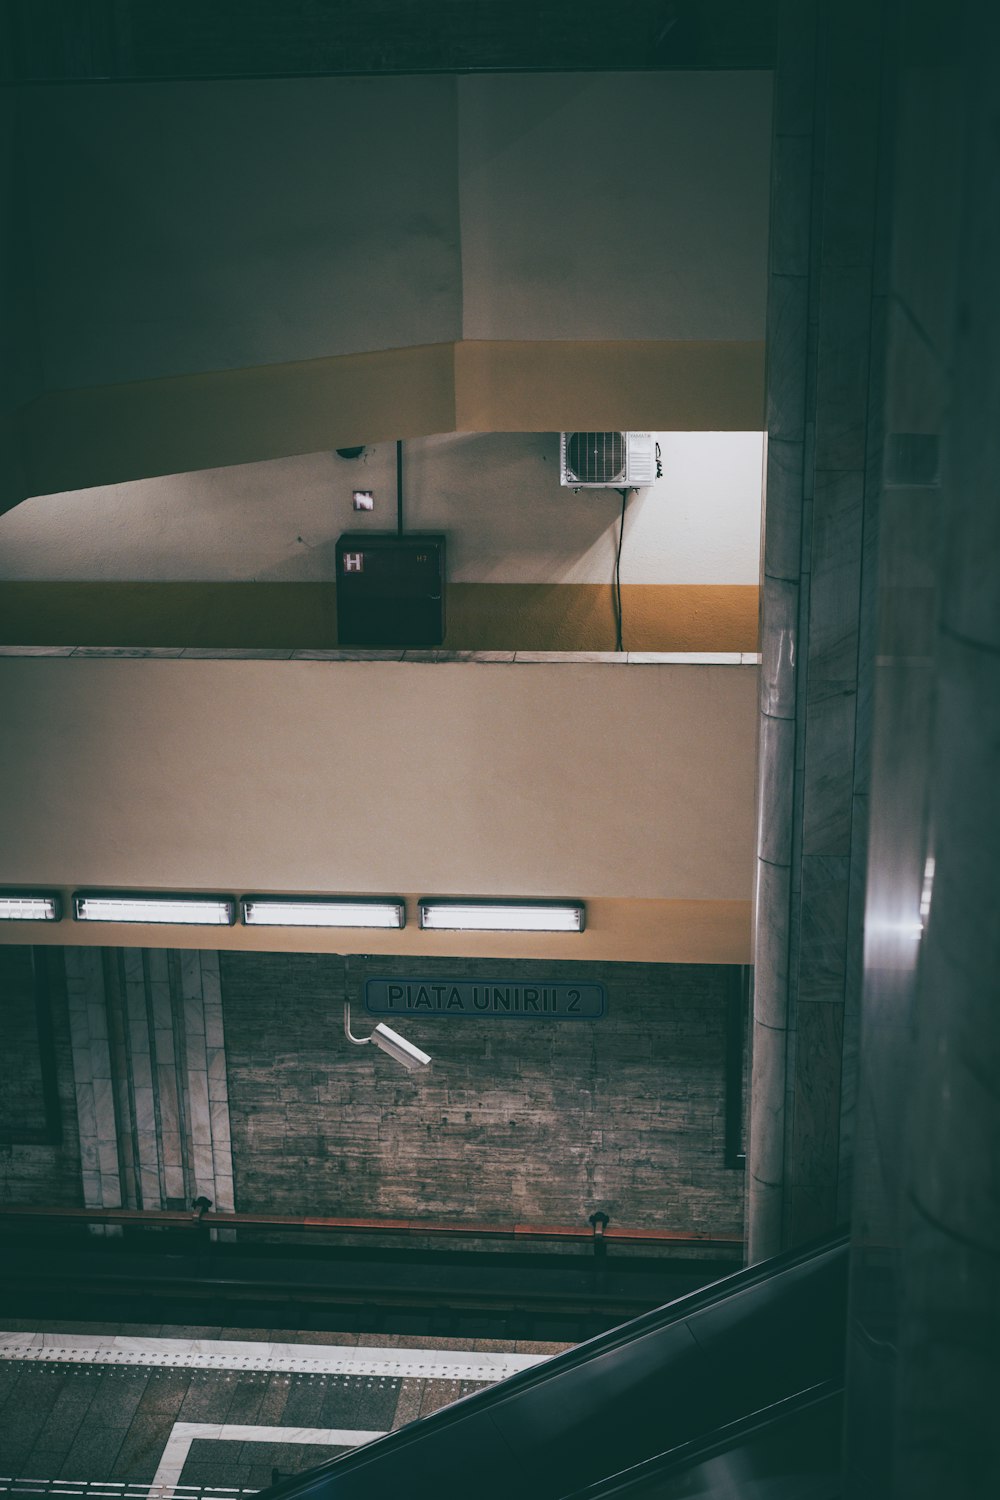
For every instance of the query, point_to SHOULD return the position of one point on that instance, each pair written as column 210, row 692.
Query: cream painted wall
column 583, row 780
column 182, row 227
column 496, row 496
column 614, row 206
column 187, row 227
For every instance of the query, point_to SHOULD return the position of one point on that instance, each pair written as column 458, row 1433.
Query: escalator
column 732, row 1391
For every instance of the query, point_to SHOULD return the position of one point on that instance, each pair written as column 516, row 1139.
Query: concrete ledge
column 239, row 653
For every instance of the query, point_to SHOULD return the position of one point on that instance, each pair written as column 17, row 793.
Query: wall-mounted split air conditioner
column 606, row 460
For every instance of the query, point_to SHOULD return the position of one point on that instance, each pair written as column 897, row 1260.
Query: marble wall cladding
column 96, row 1121
column 783, row 538
column 924, row 1332
column 823, row 340
column 948, row 1378
column 150, row 1074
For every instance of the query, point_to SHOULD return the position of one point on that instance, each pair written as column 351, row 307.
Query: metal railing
column 324, row 1224
column 99, row 1489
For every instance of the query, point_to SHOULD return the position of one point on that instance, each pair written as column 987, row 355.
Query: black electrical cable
column 399, row 487
column 618, row 577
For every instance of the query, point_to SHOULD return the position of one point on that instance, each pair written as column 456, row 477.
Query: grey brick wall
column 32, row 1173
column 538, row 1121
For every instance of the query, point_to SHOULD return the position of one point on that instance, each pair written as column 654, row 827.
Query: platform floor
column 166, row 1405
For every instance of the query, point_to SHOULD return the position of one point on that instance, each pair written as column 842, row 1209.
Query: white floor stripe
column 291, row 1359
column 183, row 1434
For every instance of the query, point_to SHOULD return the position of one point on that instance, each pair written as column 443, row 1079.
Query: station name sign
column 494, row 998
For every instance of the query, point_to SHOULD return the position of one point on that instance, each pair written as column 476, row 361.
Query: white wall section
column 496, row 496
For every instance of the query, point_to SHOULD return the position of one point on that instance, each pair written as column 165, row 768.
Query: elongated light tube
column 192, row 911
column 286, row 911
column 29, row 907
column 502, row 916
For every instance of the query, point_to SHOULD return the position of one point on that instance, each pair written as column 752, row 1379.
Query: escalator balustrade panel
column 687, row 1374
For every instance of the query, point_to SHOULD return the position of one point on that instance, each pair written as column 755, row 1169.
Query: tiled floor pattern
column 122, row 1350
column 132, row 1416
column 200, row 1453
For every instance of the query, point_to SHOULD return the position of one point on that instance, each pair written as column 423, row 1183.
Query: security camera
column 398, row 1047
column 390, row 1041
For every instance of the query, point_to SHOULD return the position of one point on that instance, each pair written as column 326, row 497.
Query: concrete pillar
column 949, row 1268
column 824, row 341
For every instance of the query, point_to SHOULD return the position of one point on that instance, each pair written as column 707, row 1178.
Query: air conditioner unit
column 606, row 460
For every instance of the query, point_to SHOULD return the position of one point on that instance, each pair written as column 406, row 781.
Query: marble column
column 92, row 1073
column 150, row 1068
column 824, row 341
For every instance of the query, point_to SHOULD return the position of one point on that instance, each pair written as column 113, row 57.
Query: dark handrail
column 455, row 1229
column 732, row 1435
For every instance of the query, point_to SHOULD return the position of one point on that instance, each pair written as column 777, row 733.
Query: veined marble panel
column 791, row 200
column 823, row 944
column 189, row 963
column 767, row 1110
column 843, row 367
column 771, row 954
column 163, row 1043
column 783, row 523
column 141, row 1068
column 851, row 125
column 224, row 1189
column 787, row 332
column 776, row 770
column 145, row 1111
column 834, row 616
column 816, row 1125
column 829, row 770
column 779, row 648
column 199, row 1115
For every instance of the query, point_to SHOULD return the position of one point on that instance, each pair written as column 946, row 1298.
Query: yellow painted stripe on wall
column 581, row 617
column 107, row 434
column 69, row 440
column 299, row 616
column 654, row 385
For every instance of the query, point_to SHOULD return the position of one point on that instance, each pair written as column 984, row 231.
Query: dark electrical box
column 390, row 589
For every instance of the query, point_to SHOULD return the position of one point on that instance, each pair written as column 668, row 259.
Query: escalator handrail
column 708, row 1445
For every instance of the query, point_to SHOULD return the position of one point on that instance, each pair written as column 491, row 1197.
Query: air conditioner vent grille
column 596, row 457
column 607, row 460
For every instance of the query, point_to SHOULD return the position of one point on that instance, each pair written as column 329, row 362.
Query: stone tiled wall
column 826, row 314
column 34, row 1171
column 531, row 1120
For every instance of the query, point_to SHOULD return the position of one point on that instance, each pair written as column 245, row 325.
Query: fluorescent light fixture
column 191, row 911
column 28, row 906
column 319, row 911
column 503, row 916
